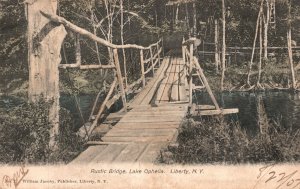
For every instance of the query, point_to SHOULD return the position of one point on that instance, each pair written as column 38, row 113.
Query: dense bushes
column 69, row 144
column 24, row 135
column 215, row 141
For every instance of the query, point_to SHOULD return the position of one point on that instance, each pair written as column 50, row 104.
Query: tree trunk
column 289, row 42
column 176, row 17
column 187, row 19
column 122, row 42
column 44, row 44
column 217, row 57
column 109, row 29
column 223, row 44
column 95, row 33
column 254, row 42
column 195, row 20
column 260, row 52
column 266, row 29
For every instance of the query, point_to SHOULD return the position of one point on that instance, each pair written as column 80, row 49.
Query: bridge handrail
column 81, row 31
column 155, row 50
column 191, row 63
column 153, row 58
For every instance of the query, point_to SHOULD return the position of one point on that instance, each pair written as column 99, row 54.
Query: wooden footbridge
column 164, row 96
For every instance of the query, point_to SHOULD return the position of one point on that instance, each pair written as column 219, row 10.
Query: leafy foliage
column 24, row 133
column 215, row 141
column 69, row 144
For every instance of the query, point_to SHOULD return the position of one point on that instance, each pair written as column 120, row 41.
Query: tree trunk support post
column 217, row 60
column 184, row 62
column 158, row 53
column 289, row 42
column 142, row 67
column 45, row 40
column 78, row 50
column 120, row 78
column 183, row 58
column 152, row 61
column 195, row 20
column 205, row 83
column 190, row 74
column 223, row 44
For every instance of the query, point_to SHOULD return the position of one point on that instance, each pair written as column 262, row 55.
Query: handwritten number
column 290, row 182
column 297, row 180
column 272, row 177
column 281, row 177
column 286, row 178
column 261, row 170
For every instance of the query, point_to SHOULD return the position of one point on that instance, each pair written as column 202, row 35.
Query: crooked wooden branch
column 83, row 67
column 102, row 108
column 81, row 31
column 205, row 82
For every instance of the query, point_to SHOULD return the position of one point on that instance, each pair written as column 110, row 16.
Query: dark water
column 86, row 103
column 283, row 107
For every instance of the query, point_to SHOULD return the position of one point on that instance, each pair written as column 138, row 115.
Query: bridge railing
column 191, row 64
column 149, row 57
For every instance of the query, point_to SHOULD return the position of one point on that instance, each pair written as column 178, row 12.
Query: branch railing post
column 184, row 63
column 102, row 107
column 152, row 61
column 142, row 67
column 78, row 50
column 125, row 68
column 120, row 78
column 190, row 74
column 158, row 52
column 162, row 46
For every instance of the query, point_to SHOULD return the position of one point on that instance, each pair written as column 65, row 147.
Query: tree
column 258, row 24
column 44, row 44
column 223, row 44
column 289, row 42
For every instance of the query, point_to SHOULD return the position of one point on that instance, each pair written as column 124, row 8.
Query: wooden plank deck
column 145, row 129
column 172, row 87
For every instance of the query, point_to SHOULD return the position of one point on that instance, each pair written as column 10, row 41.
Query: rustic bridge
column 163, row 97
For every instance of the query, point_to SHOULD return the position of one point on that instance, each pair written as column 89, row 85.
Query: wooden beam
column 217, row 112
column 142, row 67
column 83, row 67
column 120, row 79
column 93, row 143
column 81, row 31
column 190, row 74
column 205, row 82
column 195, row 108
column 205, row 107
column 158, row 53
column 78, row 50
column 152, row 61
column 151, row 68
column 128, row 90
column 103, row 105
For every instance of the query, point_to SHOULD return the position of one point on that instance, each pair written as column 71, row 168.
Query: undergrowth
column 24, row 135
column 215, row 141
